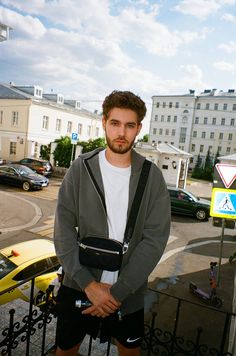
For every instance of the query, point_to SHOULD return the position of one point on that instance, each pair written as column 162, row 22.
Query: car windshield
column 25, row 171
column 6, row 266
column 191, row 195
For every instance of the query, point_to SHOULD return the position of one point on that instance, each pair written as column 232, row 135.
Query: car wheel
column 201, row 214
column 26, row 186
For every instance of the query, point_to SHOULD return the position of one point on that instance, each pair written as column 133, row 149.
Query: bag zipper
column 98, row 249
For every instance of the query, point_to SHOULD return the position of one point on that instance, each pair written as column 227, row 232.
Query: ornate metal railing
column 173, row 326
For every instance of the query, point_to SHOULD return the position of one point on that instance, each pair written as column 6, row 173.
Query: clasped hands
column 103, row 303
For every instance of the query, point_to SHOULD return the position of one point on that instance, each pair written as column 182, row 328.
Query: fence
column 173, row 326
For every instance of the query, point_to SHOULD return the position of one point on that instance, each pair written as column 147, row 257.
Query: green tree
column 62, row 153
column 216, row 160
column 92, row 144
column 45, row 151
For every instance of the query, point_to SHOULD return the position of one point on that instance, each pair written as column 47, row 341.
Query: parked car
column 41, row 166
column 23, row 260
column 21, row 176
column 186, row 203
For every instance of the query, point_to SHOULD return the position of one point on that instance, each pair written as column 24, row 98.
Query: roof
column 7, row 91
column 29, row 250
column 170, row 149
column 228, row 158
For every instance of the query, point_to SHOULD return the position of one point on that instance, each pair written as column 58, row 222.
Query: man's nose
column 122, row 130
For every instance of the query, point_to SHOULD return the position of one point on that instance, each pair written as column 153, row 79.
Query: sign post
column 223, row 201
column 74, row 140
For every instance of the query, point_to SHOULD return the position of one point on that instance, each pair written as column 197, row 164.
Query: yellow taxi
column 22, row 261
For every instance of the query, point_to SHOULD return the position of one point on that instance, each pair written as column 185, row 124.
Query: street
column 191, row 247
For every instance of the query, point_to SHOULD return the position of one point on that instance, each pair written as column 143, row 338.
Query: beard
column 118, row 148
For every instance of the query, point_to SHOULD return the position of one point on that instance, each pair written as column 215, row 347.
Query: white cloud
column 225, row 66
column 229, row 47
column 22, row 25
column 198, row 8
column 228, row 17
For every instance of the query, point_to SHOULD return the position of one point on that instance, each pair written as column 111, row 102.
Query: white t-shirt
column 116, row 186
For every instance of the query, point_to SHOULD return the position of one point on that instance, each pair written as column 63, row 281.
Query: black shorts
column 72, row 325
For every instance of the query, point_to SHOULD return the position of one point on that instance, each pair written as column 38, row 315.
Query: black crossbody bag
column 107, row 254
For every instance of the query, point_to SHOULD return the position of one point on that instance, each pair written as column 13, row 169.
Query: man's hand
column 103, row 302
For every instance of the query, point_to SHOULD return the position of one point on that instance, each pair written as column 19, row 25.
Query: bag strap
column 136, row 202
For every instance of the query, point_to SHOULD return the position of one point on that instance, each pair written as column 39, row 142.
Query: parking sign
column 74, row 138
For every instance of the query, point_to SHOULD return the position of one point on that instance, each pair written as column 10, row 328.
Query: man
column 95, row 200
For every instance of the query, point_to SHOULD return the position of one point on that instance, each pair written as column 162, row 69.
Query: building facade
column 29, row 119
column 198, row 124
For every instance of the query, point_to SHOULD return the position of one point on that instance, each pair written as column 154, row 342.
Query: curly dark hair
column 124, row 100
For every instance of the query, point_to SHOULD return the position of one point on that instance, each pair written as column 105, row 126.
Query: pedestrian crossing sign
column 223, row 203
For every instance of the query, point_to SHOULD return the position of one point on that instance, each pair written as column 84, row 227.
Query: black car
column 186, row 203
column 21, row 176
column 41, row 166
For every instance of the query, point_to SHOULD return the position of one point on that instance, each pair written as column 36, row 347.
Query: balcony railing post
column 10, row 332
column 30, row 317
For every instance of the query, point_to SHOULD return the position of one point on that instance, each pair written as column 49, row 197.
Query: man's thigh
column 72, row 326
column 129, row 331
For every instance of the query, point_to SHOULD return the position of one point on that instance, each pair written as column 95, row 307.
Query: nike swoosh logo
column 133, row 340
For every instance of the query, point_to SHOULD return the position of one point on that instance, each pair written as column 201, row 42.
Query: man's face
column 121, row 128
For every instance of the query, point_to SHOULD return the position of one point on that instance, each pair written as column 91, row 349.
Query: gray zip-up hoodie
column 81, row 211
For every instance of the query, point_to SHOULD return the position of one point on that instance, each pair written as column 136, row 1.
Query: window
column 216, row 106
column 234, row 107
column 210, row 149
column 193, row 147
column 154, row 131
column 207, row 106
column 198, row 106
column 89, row 129
column 175, row 118
column 156, row 118
column 168, row 118
column 232, row 122
column 79, row 129
column 162, row 118
column 69, row 127
column 45, row 122
column 225, row 107
column 97, row 132
column 1, row 117
column 173, row 132
column 167, row 132
column 184, row 119
column 182, row 137
column 164, row 104
column 14, row 118
column 230, row 137
column 228, row 149
column 201, row 148
column 212, row 135
column 160, row 131
column 196, row 120
column 170, row 104
column 223, row 121
column 205, row 120
column 221, row 136
column 12, row 148
column 177, row 105
column 164, row 166
column 157, row 105
column 58, row 125
column 194, row 133
column 219, row 148
column 186, row 112
column 203, row 134
column 213, row 120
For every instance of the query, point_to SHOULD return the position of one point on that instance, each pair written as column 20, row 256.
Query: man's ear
column 103, row 122
column 139, row 128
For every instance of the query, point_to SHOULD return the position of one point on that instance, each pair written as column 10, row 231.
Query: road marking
column 38, row 215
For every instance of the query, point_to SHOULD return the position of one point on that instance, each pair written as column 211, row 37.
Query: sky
column 85, row 49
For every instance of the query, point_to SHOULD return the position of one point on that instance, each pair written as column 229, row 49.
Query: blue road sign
column 74, row 136
column 223, row 203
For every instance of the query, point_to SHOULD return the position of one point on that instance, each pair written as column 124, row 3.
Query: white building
column 196, row 123
column 172, row 161
column 29, row 119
